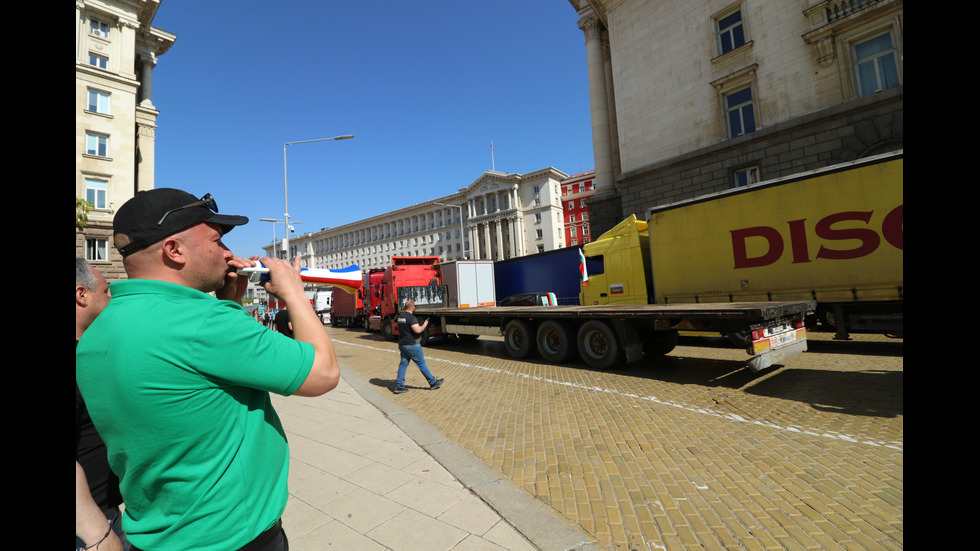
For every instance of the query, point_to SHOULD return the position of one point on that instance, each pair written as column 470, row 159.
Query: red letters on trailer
column 892, row 230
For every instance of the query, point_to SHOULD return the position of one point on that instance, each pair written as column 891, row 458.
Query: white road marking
column 898, row 446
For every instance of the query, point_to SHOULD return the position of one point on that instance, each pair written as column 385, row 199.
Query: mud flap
column 771, row 357
column 629, row 339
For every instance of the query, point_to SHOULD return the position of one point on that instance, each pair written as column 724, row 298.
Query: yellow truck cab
column 618, row 265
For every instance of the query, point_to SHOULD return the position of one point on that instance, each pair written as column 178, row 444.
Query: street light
column 274, row 222
column 285, row 186
column 462, row 233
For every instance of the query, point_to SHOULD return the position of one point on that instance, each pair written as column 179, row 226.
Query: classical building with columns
column 691, row 98
column 498, row 216
column 116, row 48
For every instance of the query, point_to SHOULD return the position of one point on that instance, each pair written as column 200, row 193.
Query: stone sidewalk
column 366, row 474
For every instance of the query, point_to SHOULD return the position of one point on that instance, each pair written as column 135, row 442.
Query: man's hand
column 236, row 286
column 284, row 280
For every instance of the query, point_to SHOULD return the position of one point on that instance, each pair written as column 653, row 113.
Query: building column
column 598, row 102
column 486, row 235
column 147, row 61
column 500, row 241
column 474, row 242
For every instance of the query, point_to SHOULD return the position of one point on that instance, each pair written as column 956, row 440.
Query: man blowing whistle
column 177, row 381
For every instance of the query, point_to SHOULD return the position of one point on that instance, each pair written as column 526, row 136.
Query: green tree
column 81, row 212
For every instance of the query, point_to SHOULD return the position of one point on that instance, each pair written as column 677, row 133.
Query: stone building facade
column 116, row 48
column 689, row 98
column 576, row 190
column 498, row 216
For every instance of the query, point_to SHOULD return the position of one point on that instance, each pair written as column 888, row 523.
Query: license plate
column 776, row 341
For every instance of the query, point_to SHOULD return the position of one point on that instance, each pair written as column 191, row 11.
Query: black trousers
column 273, row 539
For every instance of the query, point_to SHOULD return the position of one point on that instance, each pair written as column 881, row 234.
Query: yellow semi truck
column 833, row 236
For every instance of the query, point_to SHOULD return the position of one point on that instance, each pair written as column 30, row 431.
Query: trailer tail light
column 758, row 334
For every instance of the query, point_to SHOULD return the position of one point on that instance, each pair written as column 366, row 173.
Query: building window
column 741, row 112
column 97, row 250
column 95, row 193
column 540, row 234
column 96, row 144
column 731, row 31
column 100, row 61
column 98, row 102
column 572, row 232
column 745, row 176
column 536, row 189
column 99, row 28
column 537, row 218
column 876, row 63
column 571, row 218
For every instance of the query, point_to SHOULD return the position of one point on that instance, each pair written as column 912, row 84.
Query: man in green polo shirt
column 177, row 380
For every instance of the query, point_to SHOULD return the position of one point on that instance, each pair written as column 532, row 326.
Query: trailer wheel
column 555, row 341
column 386, row 330
column 659, row 343
column 518, row 339
column 598, row 345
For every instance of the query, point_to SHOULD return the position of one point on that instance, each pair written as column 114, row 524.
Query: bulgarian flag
column 581, row 268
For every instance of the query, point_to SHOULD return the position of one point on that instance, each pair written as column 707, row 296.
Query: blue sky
column 423, row 86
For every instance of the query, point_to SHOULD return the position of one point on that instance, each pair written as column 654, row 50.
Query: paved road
column 692, row 451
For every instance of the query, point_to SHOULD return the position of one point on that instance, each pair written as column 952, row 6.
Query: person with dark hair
column 409, row 336
column 283, row 325
column 97, row 497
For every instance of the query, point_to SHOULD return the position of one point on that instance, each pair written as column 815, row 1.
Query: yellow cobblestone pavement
column 691, row 451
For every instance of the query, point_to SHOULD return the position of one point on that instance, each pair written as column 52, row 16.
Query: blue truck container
column 552, row 271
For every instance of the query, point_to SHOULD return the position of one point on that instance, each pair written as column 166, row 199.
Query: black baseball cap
column 154, row 214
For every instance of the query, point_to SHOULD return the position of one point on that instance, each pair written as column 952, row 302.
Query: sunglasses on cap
column 206, row 201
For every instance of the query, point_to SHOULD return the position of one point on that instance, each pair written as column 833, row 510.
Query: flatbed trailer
column 609, row 335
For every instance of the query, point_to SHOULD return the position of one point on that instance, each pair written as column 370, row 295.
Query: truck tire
column 659, row 343
column 386, row 330
column 518, row 339
column 555, row 341
column 599, row 346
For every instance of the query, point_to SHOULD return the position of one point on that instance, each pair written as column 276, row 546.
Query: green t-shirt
column 177, row 383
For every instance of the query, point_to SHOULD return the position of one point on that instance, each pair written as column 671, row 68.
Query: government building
column 499, row 216
column 116, row 49
column 691, row 98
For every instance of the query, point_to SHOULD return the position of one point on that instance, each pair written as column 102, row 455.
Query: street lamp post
column 285, row 185
column 274, row 222
column 462, row 232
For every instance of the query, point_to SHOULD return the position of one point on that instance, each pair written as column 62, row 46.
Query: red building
column 575, row 190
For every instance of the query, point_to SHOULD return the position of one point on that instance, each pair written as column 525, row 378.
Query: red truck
column 347, row 308
column 420, row 276
column 351, row 310
column 371, row 296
